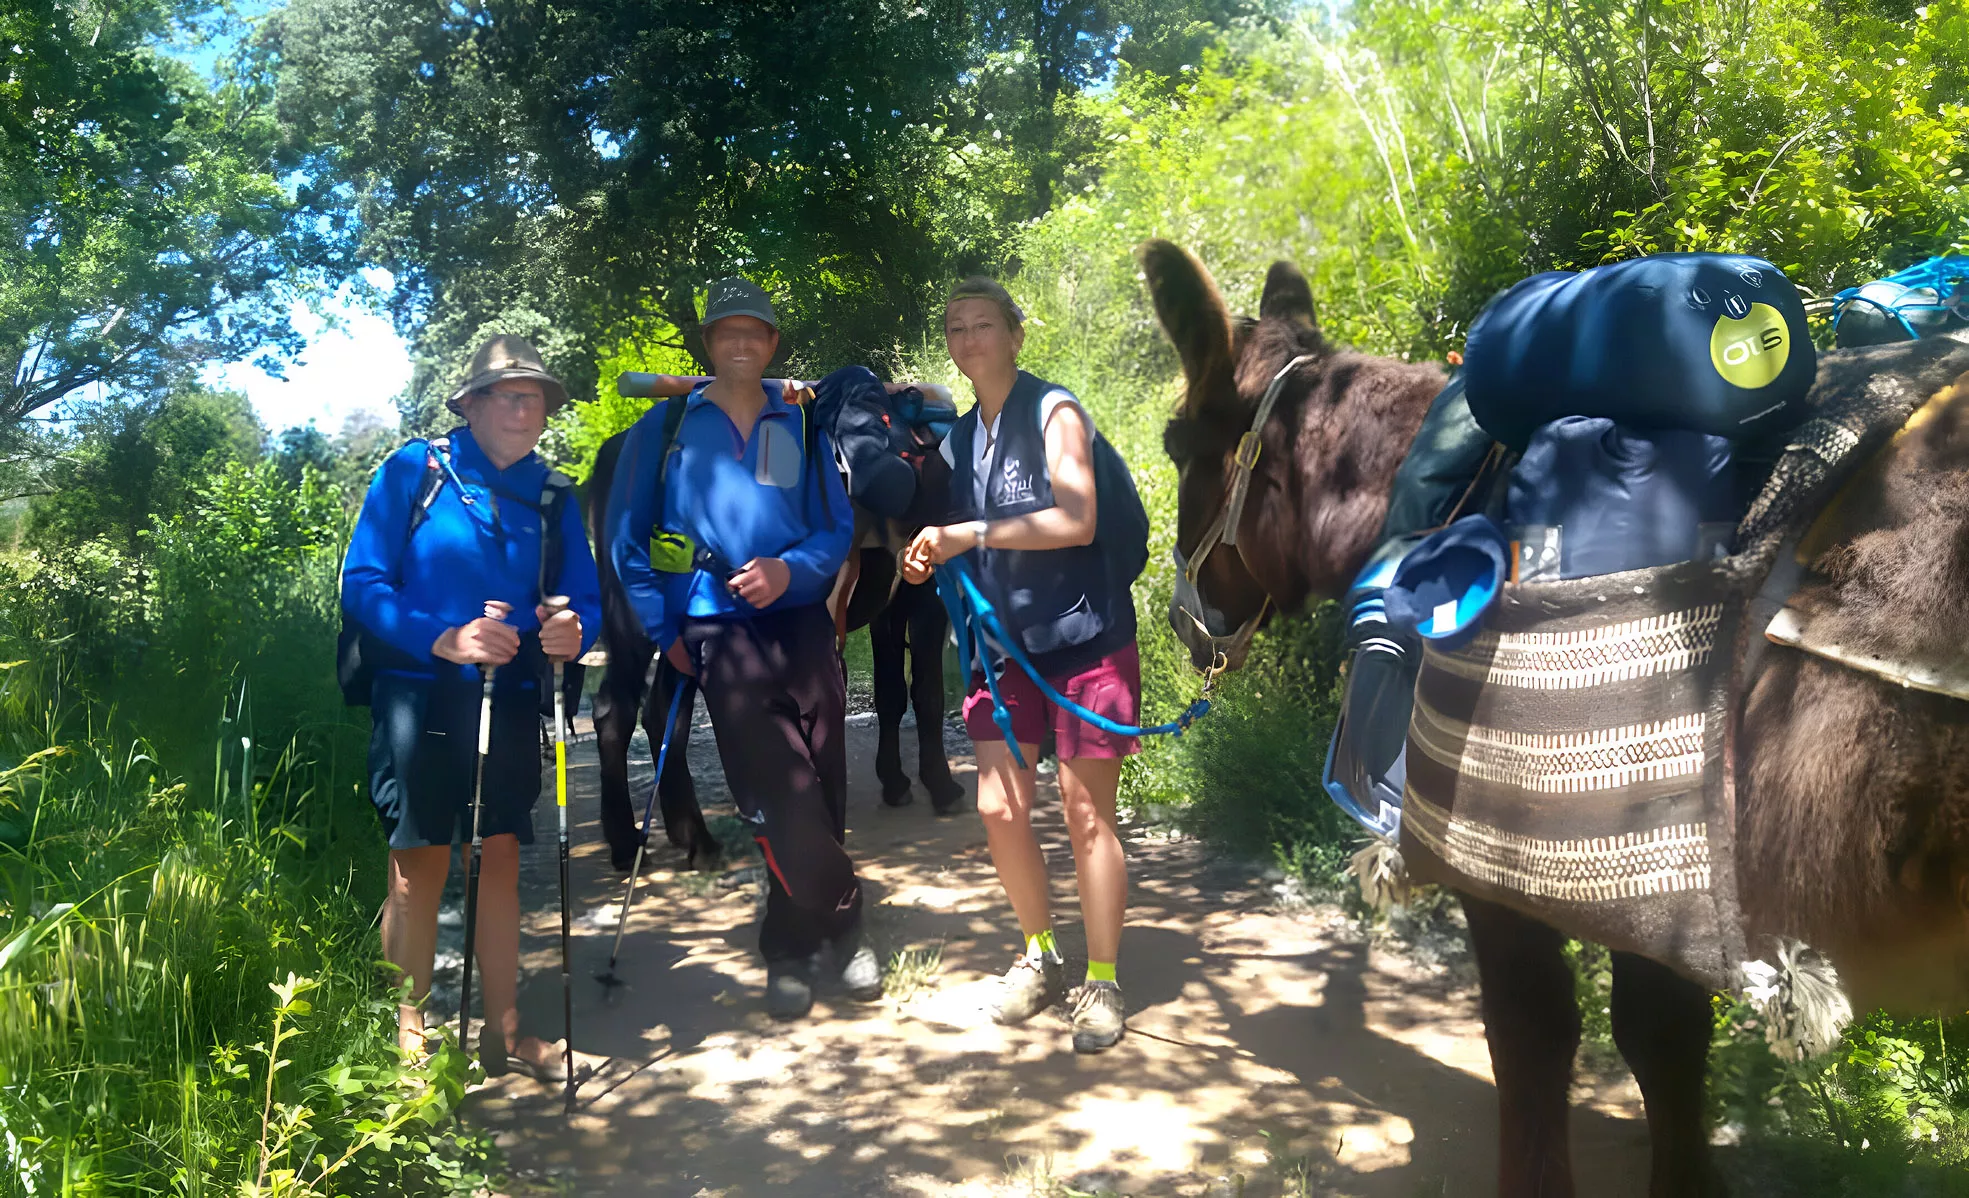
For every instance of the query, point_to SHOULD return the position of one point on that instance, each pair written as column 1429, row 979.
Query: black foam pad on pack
column 1711, row 343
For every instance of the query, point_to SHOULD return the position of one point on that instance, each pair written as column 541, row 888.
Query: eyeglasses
column 515, row 399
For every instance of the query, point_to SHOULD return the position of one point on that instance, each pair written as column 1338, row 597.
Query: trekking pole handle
column 555, row 605
column 494, row 610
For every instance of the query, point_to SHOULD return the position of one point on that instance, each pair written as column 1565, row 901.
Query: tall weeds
column 189, row 1000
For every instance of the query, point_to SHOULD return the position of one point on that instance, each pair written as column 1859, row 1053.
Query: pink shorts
column 1111, row 687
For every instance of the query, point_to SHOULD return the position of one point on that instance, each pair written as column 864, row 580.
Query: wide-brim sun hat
column 505, row 357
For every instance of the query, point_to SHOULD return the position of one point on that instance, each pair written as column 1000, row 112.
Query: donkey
column 1853, row 815
column 907, row 627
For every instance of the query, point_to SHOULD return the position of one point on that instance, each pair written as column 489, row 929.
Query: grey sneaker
column 1028, row 988
column 852, row 966
column 861, row 977
column 1098, row 1017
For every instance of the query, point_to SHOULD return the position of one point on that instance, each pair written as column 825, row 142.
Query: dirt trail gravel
column 1272, row 1049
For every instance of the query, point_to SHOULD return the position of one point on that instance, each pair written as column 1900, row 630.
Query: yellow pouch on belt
column 671, row 553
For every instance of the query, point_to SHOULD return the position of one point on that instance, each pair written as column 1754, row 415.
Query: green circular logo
column 1750, row 352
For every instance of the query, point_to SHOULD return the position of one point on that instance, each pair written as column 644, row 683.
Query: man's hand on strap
column 761, row 581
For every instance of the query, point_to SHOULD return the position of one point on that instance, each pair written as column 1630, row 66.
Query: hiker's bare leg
column 1005, row 805
column 410, row 929
column 499, row 947
column 1087, row 790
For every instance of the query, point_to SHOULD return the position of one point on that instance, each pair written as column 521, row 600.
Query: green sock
column 1041, row 945
column 1100, row 971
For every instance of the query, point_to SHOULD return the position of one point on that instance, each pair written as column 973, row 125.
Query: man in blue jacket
column 443, row 575
column 755, row 524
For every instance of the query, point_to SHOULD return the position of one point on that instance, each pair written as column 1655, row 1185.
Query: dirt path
column 1275, row 1045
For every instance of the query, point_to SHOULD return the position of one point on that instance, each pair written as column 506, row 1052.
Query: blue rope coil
column 980, row 633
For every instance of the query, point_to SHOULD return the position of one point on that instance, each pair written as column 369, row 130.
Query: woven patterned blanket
column 1577, row 760
column 1564, row 763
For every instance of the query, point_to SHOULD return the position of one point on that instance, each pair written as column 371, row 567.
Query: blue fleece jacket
column 407, row 588
column 740, row 497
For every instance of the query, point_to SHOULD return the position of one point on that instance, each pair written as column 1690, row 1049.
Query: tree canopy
column 568, row 170
column 148, row 230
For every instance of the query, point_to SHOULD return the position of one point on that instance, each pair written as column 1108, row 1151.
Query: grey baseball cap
column 737, row 297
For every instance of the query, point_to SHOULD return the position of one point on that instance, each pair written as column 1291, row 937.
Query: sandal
column 497, row 1062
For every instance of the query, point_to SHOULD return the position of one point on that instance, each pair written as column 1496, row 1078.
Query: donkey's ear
column 1194, row 316
column 1289, row 298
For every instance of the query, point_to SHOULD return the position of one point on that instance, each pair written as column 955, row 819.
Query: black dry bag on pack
column 1711, row 343
column 882, row 439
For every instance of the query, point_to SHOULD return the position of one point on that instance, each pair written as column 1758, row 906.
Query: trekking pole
column 684, row 685
column 555, row 604
column 493, row 611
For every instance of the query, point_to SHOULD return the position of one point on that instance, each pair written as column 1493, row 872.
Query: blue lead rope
column 980, row 633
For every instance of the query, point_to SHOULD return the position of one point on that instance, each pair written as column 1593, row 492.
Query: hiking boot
column 1097, row 1017
column 789, row 989
column 1028, row 988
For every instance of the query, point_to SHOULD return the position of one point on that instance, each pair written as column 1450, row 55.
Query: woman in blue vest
column 1023, row 507
column 439, row 596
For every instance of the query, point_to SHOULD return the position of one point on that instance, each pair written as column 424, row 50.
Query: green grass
column 188, row 997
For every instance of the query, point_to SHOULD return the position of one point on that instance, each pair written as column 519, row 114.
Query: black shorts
column 424, row 755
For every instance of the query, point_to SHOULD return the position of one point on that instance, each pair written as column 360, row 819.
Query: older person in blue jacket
column 441, row 595
column 757, row 524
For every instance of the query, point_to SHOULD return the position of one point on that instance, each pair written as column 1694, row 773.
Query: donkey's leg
column 885, row 641
column 928, row 626
column 616, row 703
column 1661, row 1022
column 676, row 792
column 1532, row 1024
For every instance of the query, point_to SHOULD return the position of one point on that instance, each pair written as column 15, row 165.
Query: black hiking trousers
column 773, row 687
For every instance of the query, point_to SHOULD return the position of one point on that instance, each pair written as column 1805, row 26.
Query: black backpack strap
column 428, row 486
column 557, row 491
column 673, row 419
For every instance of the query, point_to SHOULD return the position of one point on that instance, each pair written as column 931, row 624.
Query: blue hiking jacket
column 407, row 588
column 739, row 498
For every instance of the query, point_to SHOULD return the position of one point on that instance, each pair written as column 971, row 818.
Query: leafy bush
column 1885, row 1110
column 189, row 999
column 140, row 1046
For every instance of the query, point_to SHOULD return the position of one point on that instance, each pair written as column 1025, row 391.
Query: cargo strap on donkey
column 980, row 633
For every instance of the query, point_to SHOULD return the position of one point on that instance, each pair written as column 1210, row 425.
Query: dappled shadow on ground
column 1261, row 1043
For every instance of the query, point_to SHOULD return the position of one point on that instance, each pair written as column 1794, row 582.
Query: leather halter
column 1222, row 529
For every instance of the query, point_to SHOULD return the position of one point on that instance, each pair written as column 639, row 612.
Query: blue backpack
column 1905, row 306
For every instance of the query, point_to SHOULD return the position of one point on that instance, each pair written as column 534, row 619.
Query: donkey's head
column 1322, row 433
column 1231, row 576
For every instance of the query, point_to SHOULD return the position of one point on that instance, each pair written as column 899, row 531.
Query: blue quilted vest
column 1061, row 603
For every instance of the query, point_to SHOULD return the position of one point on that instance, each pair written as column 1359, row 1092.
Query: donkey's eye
column 1179, row 440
